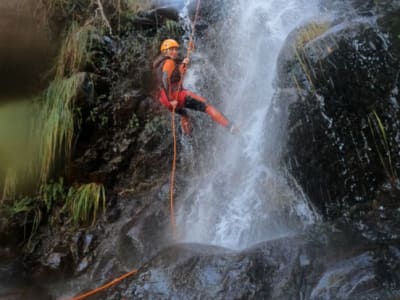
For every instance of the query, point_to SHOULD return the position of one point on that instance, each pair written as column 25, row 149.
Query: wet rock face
column 197, row 271
column 343, row 143
column 362, row 7
column 310, row 267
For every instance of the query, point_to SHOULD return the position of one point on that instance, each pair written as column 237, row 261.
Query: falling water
column 247, row 196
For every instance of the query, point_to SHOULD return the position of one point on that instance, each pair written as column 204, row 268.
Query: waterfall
column 246, row 196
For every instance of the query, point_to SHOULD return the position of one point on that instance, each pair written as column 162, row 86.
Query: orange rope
column 104, row 287
column 193, row 29
column 172, row 182
column 171, row 189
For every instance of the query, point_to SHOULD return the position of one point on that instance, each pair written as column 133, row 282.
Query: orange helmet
column 169, row 43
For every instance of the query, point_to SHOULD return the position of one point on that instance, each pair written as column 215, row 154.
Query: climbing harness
column 172, row 179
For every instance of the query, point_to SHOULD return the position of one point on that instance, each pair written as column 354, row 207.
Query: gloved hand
column 186, row 61
column 174, row 103
column 191, row 46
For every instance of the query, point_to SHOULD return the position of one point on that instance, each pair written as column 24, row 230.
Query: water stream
column 247, row 196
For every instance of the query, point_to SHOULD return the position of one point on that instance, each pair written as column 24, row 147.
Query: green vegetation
column 51, row 193
column 84, row 201
column 310, row 32
column 58, row 122
column 75, row 50
column 78, row 205
column 31, row 212
column 305, row 35
column 381, row 144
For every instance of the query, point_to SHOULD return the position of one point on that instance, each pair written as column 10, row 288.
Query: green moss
column 310, row 32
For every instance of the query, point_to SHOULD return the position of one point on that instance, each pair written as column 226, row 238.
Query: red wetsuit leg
column 197, row 102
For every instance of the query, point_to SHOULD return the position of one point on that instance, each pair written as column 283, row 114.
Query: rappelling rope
column 171, row 189
column 190, row 45
column 172, row 181
column 106, row 286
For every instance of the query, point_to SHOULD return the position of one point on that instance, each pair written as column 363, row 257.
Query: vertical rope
column 172, row 182
column 189, row 50
column 173, row 171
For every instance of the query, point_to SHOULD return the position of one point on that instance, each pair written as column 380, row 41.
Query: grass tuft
column 381, row 143
column 304, row 36
column 84, row 202
column 310, row 32
column 74, row 51
column 58, row 122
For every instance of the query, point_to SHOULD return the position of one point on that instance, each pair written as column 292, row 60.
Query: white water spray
column 247, row 197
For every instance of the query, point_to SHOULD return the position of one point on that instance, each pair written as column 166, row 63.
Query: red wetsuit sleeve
column 164, row 99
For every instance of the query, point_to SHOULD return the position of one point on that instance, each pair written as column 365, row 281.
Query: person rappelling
column 169, row 72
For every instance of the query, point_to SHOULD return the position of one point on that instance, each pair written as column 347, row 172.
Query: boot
column 186, row 125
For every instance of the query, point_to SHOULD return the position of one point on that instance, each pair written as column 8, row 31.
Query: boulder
column 343, row 142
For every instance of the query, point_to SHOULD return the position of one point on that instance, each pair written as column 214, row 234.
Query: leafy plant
column 85, row 201
column 52, row 193
column 58, row 122
column 31, row 211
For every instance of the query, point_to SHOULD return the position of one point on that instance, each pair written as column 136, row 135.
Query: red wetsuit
column 169, row 74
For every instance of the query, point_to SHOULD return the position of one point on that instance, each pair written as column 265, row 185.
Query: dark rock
column 342, row 143
column 352, row 8
column 291, row 268
column 53, row 261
